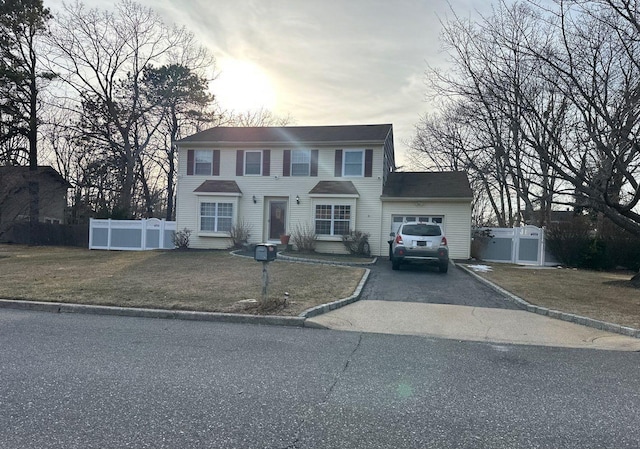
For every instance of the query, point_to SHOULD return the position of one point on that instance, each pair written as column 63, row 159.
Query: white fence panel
column 131, row 235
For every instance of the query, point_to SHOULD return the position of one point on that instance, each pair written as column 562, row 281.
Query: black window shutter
column 266, row 162
column 216, row 162
column 286, row 163
column 239, row 162
column 190, row 163
column 313, row 170
column 368, row 163
column 338, row 164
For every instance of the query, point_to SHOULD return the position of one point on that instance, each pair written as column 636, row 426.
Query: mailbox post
column 265, row 253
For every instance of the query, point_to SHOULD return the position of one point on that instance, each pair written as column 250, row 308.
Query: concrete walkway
column 470, row 323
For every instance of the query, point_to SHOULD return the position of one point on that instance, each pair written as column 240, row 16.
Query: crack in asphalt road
column 295, row 444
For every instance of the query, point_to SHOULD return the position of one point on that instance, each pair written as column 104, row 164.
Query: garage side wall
column 457, row 222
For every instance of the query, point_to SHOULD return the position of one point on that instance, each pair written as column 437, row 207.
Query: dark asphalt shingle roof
column 334, row 188
column 23, row 170
column 291, row 134
column 427, row 185
column 213, row 186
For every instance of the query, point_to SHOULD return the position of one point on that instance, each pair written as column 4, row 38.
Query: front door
column 277, row 219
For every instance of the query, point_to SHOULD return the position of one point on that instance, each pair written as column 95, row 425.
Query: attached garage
column 434, row 197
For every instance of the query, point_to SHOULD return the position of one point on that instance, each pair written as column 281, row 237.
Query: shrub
column 239, row 234
column 569, row 241
column 181, row 238
column 304, row 238
column 577, row 244
column 357, row 242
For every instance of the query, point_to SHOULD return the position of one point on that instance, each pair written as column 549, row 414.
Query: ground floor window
column 216, row 217
column 332, row 219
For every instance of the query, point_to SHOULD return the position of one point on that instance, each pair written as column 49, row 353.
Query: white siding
column 367, row 213
column 457, row 222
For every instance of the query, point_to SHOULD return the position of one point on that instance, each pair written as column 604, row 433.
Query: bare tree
column 258, row 117
column 484, row 125
column 103, row 56
column 594, row 65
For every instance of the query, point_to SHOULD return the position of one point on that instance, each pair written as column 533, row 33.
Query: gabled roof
column 427, row 185
column 291, row 134
column 334, row 188
column 43, row 170
column 214, row 186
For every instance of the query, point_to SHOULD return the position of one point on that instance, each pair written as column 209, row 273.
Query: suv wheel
column 444, row 267
column 395, row 265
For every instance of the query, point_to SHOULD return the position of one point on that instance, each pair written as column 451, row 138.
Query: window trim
column 260, row 164
column 216, row 216
column 332, row 221
column 308, row 163
column 195, row 162
column 344, row 163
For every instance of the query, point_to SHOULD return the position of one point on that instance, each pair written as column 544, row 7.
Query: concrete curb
column 326, row 262
column 324, row 308
column 57, row 307
column 570, row 317
column 282, row 257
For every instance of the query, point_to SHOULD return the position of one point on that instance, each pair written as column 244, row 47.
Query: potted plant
column 284, row 239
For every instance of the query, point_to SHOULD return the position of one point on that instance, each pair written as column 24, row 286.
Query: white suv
column 418, row 242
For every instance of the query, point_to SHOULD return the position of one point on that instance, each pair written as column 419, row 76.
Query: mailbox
column 265, row 252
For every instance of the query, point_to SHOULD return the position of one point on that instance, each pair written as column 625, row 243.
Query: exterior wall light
column 297, row 199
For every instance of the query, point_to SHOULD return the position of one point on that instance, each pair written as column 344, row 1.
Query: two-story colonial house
column 334, row 179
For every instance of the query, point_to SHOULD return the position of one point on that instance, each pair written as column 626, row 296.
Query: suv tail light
column 399, row 240
column 443, row 242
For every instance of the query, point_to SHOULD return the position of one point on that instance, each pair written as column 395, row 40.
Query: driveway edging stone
column 556, row 314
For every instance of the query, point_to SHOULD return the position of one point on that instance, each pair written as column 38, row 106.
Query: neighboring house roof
column 454, row 185
column 555, row 216
column 292, row 134
column 218, row 187
column 43, row 170
column 334, row 188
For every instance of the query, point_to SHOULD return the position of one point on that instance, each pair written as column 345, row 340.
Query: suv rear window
column 422, row 230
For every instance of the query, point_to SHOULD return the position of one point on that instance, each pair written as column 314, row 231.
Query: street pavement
column 418, row 300
column 87, row 381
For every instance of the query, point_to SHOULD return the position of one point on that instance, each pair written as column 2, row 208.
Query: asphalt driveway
column 425, row 284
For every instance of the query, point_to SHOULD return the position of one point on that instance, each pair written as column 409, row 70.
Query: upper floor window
column 253, row 163
column 300, row 162
column 203, row 162
column 353, row 163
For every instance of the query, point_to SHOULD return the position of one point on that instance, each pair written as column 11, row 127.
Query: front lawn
column 212, row 281
column 601, row 295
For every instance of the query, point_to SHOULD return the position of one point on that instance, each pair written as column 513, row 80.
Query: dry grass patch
column 606, row 296
column 212, row 281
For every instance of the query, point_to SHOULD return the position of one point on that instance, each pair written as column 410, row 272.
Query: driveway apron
column 418, row 300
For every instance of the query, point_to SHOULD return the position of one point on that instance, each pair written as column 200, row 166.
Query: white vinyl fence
column 522, row 245
column 131, row 235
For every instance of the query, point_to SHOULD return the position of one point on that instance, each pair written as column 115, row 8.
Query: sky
column 321, row 62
